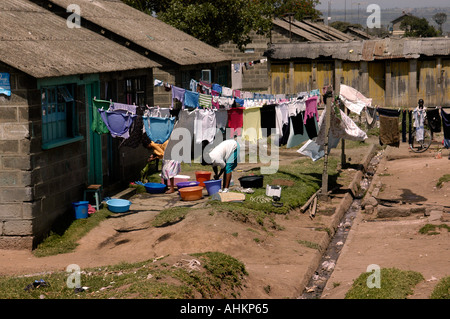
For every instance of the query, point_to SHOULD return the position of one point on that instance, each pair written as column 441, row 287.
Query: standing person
column 419, row 115
column 169, row 169
column 225, row 155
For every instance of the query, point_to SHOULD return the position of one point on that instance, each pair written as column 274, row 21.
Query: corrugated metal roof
column 147, row 31
column 367, row 50
column 40, row 44
column 314, row 32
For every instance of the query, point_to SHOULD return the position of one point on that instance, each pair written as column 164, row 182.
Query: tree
column 219, row 21
column 417, row 27
column 440, row 18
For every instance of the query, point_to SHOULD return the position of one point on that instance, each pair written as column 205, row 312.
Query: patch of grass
column 442, row 289
column 394, row 284
column 309, row 244
column 63, row 243
column 170, row 216
column 307, row 178
column 430, row 229
column 443, row 179
column 218, row 276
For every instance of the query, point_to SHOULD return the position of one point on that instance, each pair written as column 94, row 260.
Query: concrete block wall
column 16, row 191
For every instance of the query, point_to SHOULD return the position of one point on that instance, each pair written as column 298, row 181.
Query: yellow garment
column 251, row 126
column 158, row 149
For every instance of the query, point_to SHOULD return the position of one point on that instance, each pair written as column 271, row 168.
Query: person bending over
column 225, row 155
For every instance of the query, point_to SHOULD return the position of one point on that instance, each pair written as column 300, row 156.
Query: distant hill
column 388, row 15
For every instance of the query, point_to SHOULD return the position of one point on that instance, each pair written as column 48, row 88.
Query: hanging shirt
column 98, row 125
column 268, row 119
column 434, row 120
column 221, row 118
column 191, row 99
column 282, row 122
column 217, row 88
column 204, row 125
column 158, row 129
column 118, row 123
column 178, row 93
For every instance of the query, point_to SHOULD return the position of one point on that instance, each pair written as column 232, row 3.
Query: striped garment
column 205, row 101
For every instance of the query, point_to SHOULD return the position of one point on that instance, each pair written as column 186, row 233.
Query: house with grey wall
column 48, row 150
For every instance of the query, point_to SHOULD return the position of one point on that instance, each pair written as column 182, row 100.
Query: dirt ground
column 278, row 265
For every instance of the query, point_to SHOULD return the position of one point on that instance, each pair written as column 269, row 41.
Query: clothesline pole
column 323, row 196
column 343, row 157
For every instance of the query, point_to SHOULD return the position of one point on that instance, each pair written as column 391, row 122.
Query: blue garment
column 217, row 87
column 191, row 99
column 118, row 123
column 5, row 84
column 158, row 129
column 239, row 101
column 232, row 161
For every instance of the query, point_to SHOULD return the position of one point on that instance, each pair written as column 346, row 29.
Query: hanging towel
column 268, row 119
column 354, row 100
column 118, row 123
column 221, row 118
column 191, row 99
column 389, row 132
column 446, row 128
column 226, row 91
column 370, row 116
column 158, row 129
column 251, row 128
column 205, row 100
column 296, row 137
column 434, row 120
column 98, row 125
column 235, row 120
column 178, row 93
column 204, row 126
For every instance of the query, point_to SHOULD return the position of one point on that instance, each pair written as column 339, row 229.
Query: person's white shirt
column 220, row 154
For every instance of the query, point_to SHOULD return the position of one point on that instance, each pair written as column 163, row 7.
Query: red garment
column 311, row 109
column 235, row 120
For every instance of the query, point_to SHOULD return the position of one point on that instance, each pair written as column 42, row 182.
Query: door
column 325, row 74
column 280, row 75
column 427, row 81
column 302, row 77
column 94, row 141
column 377, row 83
column 399, row 83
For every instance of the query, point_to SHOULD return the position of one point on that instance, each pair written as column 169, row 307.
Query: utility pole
column 323, row 196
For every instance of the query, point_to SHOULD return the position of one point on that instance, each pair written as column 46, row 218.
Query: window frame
column 59, row 116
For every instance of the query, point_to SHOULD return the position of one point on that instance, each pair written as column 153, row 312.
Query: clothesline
column 207, row 95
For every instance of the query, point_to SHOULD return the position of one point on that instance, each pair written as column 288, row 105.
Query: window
column 135, row 91
column 59, row 121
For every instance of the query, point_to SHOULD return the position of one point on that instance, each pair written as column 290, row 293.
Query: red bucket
column 202, row 176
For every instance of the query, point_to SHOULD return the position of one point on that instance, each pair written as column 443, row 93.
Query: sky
column 384, row 4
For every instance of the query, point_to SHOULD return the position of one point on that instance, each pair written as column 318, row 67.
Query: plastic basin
column 155, row 188
column 252, row 181
column 191, row 193
column 213, row 186
column 117, row 205
column 202, row 176
column 187, row 184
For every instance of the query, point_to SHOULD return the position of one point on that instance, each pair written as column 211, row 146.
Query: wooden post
column 343, row 157
column 323, row 196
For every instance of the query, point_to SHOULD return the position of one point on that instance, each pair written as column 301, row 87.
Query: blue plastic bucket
column 81, row 209
column 213, row 186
